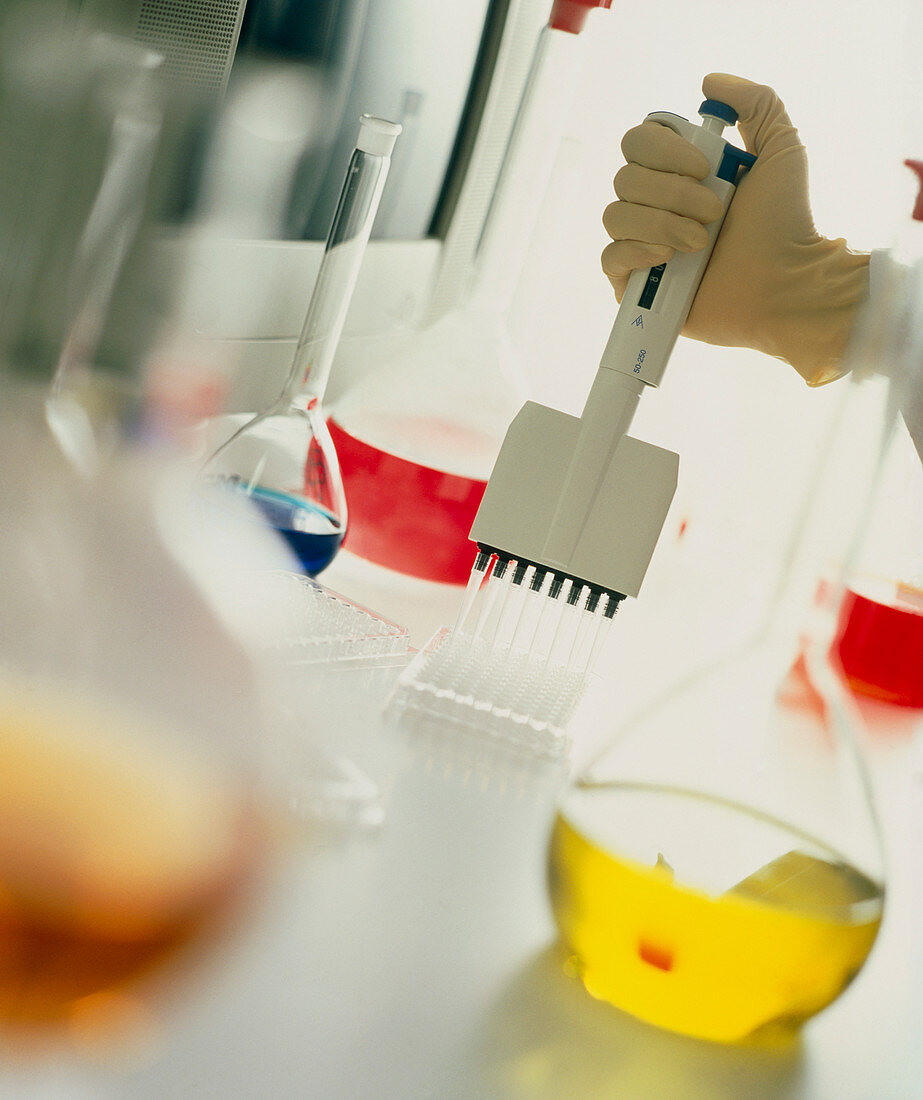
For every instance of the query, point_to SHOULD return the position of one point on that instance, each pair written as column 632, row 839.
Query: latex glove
column 773, row 282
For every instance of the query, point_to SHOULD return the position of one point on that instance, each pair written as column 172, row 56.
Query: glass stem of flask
column 526, row 171
column 336, row 279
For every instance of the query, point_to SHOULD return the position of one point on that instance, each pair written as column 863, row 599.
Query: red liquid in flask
column 404, row 515
column 880, row 641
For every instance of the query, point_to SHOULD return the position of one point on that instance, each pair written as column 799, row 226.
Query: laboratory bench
column 406, row 950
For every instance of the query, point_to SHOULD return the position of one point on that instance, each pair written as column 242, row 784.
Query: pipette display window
column 651, row 286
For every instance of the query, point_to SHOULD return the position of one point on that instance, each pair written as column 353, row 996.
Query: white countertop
column 419, row 958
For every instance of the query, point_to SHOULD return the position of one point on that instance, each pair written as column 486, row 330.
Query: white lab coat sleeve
column 884, row 280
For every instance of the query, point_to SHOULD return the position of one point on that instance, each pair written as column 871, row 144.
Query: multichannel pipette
column 574, row 506
column 576, row 500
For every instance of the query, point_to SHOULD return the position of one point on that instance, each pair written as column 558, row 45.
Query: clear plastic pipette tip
column 478, row 572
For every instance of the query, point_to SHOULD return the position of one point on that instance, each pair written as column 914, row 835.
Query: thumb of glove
column 776, row 192
column 762, row 119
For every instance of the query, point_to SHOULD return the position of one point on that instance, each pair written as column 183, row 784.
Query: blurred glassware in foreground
column 140, row 792
column 284, row 459
column 79, row 134
column 428, row 423
column 131, row 107
column 717, row 869
column 132, row 814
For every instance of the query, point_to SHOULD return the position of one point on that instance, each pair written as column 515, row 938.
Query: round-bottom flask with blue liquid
column 283, row 459
column 285, row 464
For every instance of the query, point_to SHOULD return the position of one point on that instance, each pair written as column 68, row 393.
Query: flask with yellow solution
column 762, row 930
column 716, row 865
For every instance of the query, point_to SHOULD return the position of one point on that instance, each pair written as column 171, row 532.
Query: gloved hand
column 773, row 282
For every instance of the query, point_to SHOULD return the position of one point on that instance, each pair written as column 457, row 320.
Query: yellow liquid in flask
column 760, row 955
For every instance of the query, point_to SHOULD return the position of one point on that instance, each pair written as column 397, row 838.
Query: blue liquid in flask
column 313, row 533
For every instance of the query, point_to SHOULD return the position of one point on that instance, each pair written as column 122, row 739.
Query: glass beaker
column 284, row 459
column 428, row 423
column 717, row 869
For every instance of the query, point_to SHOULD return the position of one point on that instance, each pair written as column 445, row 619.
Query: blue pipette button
column 720, row 110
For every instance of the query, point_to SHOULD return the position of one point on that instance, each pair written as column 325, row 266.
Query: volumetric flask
column 284, row 459
column 717, row 870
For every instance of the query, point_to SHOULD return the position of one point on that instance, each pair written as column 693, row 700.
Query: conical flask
column 284, row 459
column 879, row 640
column 717, row 868
column 428, row 423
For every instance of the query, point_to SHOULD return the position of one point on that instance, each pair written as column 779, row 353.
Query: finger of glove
column 621, row 258
column 655, row 146
column 762, row 119
column 628, row 221
column 682, row 195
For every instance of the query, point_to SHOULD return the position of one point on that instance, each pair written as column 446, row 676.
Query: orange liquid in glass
column 114, row 858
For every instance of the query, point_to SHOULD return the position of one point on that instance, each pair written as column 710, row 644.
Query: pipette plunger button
column 714, row 108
